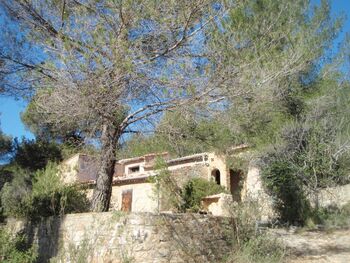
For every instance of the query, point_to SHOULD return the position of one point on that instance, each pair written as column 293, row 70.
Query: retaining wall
column 134, row 237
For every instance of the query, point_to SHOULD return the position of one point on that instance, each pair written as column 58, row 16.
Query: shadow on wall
column 44, row 235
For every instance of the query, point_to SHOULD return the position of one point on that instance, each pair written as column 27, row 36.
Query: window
column 134, row 169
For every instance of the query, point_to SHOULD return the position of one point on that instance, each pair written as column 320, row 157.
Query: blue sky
column 10, row 109
column 10, row 118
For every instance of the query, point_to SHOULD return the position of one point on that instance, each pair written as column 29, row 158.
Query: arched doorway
column 235, row 186
column 216, row 176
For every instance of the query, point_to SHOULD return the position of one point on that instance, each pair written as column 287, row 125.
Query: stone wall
column 183, row 174
column 135, row 237
column 253, row 190
column 332, row 196
column 219, row 204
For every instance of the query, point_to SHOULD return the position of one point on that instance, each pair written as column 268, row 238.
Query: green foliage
column 13, row 249
column 51, row 197
column 6, row 148
column 329, row 218
column 248, row 244
column 35, row 154
column 192, row 133
column 182, row 134
column 15, row 195
column 244, row 217
column 188, row 133
column 17, row 177
column 195, row 189
column 41, row 195
column 172, row 196
column 5, row 145
column 254, row 46
column 284, row 184
column 262, row 96
column 266, row 58
column 338, row 217
column 166, row 190
column 71, row 140
column 259, row 249
column 310, row 152
column 140, row 145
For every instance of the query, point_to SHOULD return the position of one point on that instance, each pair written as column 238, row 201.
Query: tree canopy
column 110, row 64
column 108, row 68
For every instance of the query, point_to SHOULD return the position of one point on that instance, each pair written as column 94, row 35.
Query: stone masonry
column 134, row 237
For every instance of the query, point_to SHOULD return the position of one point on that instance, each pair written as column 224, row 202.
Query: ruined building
column 132, row 189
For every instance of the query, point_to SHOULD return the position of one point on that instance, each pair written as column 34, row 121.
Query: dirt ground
column 316, row 246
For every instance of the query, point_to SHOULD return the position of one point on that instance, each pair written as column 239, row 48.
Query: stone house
column 132, row 189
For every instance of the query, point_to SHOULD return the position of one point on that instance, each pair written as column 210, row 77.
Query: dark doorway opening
column 216, row 175
column 235, row 186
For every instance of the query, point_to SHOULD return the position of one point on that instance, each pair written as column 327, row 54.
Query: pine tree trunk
column 103, row 189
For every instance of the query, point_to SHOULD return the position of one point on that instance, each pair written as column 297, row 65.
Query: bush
column 249, row 245
column 166, row 190
column 13, row 249
column 36, row 154
column 15, row 195
column 195, row 189
column 330, row 217
column 258, row 249
column 51, row 197
column 244, row 217
column 42, row 196
column 309, row 154
column 282, row 182
column 171, row 196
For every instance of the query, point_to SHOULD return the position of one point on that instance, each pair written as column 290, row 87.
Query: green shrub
column 282, row 182
column 195, row 189
column 42, row 196
column 307, row 157
column 330, row 217
column 244, row 217
column 16, row 194
column 13, row 249
column 51, row 197
column 166, row 190
column 248, row 244
column 171, row 196
column 258, row 249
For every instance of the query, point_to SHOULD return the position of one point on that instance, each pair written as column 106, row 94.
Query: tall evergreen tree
column 112, row 67
column 111, row 64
